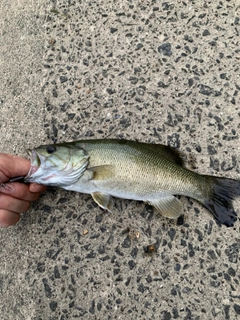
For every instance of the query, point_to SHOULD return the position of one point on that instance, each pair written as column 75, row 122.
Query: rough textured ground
column 146, row 70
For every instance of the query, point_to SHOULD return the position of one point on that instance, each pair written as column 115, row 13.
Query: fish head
column 57, row 164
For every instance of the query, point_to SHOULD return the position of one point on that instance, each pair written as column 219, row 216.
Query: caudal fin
column 219, row 202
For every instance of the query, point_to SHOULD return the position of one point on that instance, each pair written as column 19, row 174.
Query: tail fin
column 219, row 201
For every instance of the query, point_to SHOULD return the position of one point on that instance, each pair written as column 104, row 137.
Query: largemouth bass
column 152, row 173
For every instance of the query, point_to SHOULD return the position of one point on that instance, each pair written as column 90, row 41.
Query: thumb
column 12, row 166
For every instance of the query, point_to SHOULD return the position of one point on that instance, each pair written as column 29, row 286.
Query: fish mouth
column 35, row 164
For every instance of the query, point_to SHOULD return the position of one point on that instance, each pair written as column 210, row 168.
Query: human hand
column 15, row 197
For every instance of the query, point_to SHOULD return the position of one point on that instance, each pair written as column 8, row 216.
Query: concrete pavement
column 163, row 72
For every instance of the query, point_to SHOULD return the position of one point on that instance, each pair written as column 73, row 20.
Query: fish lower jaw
column 31, row 172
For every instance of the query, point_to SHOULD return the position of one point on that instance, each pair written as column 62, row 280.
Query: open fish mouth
column 35, row 164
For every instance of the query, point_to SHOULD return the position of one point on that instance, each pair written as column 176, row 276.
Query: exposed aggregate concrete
column 153, row 71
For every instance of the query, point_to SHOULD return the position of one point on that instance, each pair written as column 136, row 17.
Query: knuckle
column 21, row 192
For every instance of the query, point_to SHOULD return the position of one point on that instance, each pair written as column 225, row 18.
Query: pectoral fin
column 102, row 172
column 169, row 207
column 103, row 200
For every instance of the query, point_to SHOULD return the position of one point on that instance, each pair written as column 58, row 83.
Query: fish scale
column 148, row 172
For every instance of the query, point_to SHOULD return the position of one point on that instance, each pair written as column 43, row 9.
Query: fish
column 154, row 173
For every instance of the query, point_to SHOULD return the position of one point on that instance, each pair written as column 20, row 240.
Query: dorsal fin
column 172, row 154
column 175, row 156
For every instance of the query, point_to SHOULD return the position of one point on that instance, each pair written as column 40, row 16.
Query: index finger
column 12, row 166
column 20, row 191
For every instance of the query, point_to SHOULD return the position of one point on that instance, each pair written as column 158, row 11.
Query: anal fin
column 104, row 200
column 169, row 206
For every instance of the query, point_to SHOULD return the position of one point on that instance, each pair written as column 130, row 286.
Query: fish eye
column 51, row 149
